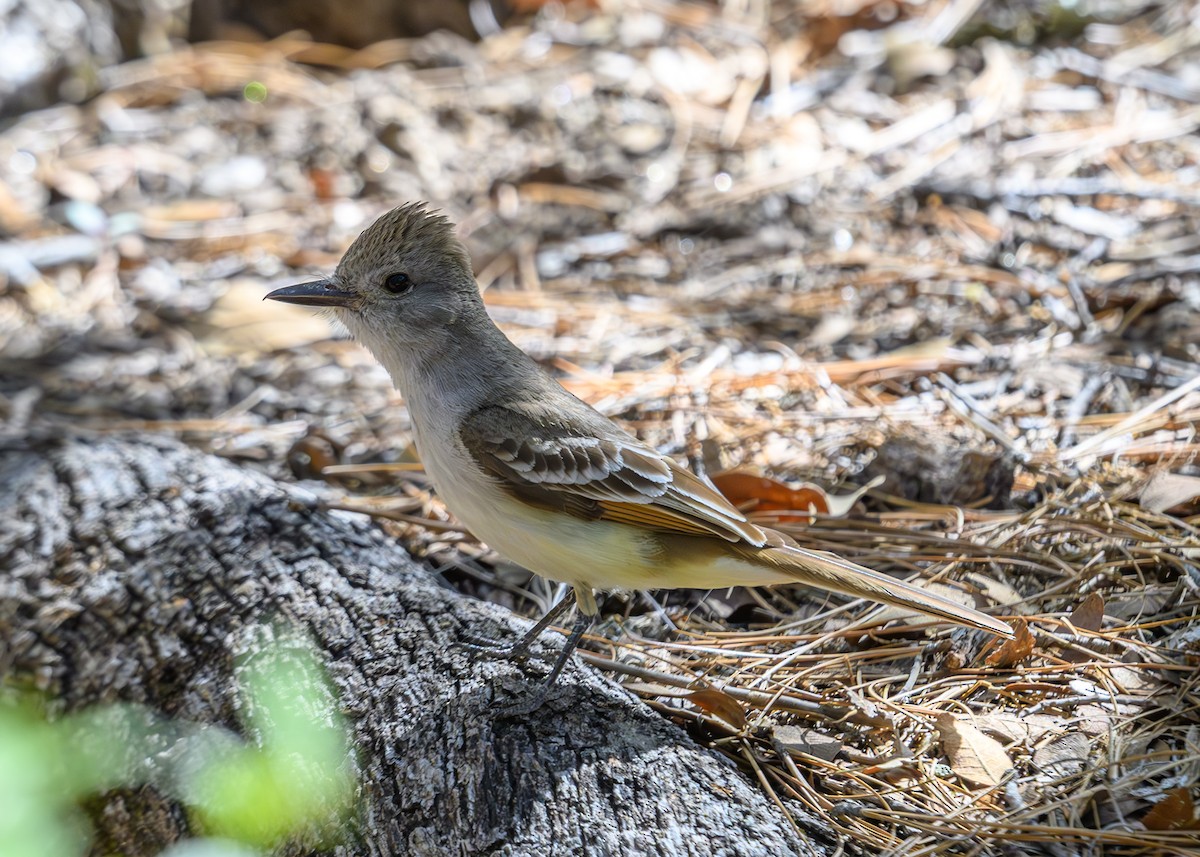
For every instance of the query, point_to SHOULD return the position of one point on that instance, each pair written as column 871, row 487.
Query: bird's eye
column 397, row 283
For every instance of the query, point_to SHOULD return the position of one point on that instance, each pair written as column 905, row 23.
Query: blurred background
column 743, row 215
column 951, row 244
column 937, row 242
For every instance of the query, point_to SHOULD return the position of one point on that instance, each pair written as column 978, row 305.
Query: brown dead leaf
column 1017, row 728
column 709, row 700
column 1177, row 811
column 1089, row 615
column 1065, row 756
column 311, row 454
column 1164, row 491
column 1015, row 650
column 1145, row 601
column 1093, row 720
column 1136, row 681
column 719, row 704
column 975, row 757
column 996, row 591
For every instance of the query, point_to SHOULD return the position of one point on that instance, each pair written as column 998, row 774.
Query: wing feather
column 602, row 475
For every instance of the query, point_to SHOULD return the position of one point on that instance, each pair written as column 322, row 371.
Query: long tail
column 825, row 571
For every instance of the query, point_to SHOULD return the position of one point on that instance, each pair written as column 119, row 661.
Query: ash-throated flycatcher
column 537, row 473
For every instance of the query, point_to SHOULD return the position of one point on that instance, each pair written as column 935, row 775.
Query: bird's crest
column 412, row 230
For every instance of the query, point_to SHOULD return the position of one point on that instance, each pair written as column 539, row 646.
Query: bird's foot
column 535, row 700
column 518, row 651
column 486, row 647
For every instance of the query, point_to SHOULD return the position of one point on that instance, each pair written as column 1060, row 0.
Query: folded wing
column 598, row 475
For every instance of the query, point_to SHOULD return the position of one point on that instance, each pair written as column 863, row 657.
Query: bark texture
column 138, row 570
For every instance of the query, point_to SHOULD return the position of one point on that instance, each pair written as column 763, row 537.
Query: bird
column 538, row 474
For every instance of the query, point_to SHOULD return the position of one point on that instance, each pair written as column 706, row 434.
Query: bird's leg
column 582, row 622
column 520, row 649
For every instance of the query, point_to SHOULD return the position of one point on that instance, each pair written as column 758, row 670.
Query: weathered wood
column 139, row 570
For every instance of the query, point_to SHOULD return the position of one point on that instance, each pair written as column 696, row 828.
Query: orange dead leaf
column 753, row 493
column 324, row 183
column 762, row 494
column 1176, row 811
column 719, row 704
column 1015, row 650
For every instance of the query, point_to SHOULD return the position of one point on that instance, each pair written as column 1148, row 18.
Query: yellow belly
column 593, row 554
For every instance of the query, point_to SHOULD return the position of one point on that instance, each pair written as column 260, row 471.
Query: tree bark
column 140, row 570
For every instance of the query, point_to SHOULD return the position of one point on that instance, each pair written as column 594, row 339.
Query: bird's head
column 404, row 282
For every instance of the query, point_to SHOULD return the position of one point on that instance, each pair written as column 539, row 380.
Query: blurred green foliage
column 299, row 774
column 296, row 779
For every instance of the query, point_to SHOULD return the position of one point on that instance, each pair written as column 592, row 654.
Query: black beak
column 320, row 293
